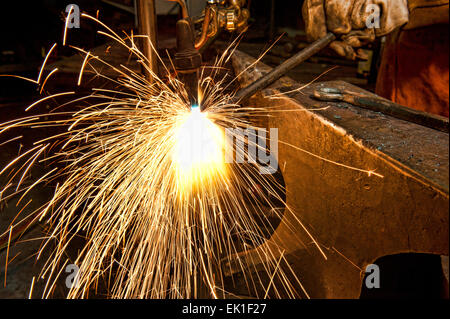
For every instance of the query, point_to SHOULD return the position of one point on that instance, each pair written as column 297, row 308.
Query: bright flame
column 199, row 149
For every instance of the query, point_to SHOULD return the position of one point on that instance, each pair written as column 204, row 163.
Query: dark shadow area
column 406, row 276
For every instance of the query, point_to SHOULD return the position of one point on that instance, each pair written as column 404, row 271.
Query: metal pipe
column 147, row 26
column 187, row 59
column 184, row 10
column 204, row 36
column 283, row 68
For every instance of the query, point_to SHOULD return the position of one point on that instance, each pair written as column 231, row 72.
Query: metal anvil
column 355, row 218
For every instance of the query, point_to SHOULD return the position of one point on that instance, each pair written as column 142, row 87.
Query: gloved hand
column 348, row 19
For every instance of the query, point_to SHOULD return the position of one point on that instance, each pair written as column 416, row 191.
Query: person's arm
column 355, row 22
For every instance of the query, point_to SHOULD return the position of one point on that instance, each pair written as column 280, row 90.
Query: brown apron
column 415, row 67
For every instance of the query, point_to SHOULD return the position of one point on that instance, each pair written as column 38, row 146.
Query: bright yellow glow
column 199, row 150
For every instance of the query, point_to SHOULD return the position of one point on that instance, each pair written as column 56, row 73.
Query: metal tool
column 383, row 106
column 283, row 68
column 229, row 15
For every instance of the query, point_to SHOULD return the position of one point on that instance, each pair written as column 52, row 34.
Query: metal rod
column 147, row 26
column 283, row 68
column 434, row 121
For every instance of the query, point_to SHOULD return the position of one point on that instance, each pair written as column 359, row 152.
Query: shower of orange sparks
column 146, row 183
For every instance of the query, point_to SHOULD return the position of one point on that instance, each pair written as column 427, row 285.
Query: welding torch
column 228, row 15
column 188, row 61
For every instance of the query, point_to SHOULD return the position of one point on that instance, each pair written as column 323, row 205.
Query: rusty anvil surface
column 355, row 218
